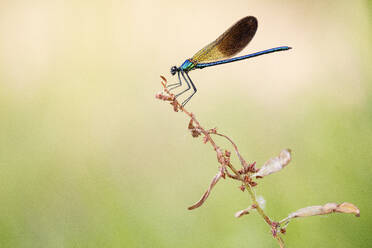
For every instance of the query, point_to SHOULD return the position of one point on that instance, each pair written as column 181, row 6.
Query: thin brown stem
column 280, row 241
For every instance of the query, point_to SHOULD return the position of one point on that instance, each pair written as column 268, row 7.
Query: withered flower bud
column 242, row 187
column 227, row 153
column 195, row 133
column 253, row 184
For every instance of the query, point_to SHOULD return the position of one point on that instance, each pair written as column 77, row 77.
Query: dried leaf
column 163, row 78
column 191, row 124
column 206, row 194
column 325, row 209
column 275, row 164
column 164, row 82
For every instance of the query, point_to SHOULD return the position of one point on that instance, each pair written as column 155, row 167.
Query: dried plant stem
column 280, row 241
column 248, row 172
column 207, row 133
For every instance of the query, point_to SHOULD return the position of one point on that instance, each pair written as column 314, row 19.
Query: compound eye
column 173, row 70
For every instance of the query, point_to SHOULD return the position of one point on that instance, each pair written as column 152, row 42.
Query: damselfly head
column 174, row 70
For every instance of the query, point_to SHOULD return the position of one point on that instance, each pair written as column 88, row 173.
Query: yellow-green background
column 89, row 158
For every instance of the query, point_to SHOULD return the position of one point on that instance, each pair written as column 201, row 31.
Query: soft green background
column 89, row 158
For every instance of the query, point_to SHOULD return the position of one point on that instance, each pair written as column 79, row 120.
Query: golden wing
column 231, row 42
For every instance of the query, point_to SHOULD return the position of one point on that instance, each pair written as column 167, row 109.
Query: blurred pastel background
column 89, row 157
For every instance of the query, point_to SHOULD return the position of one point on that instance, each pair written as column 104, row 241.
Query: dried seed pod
column 243, row 212
column 275, row 164
column 328, row 208
column 215, row 180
